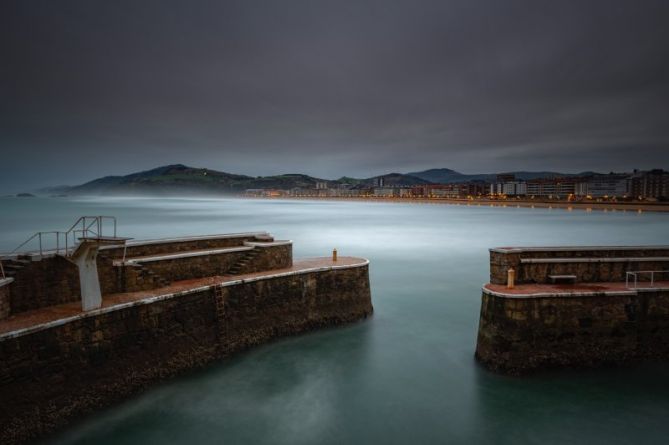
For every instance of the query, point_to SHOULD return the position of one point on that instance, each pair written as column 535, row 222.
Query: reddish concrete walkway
column 52, row 313
column 566, row 289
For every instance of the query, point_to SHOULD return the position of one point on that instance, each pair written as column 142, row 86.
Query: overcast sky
column 92, row 88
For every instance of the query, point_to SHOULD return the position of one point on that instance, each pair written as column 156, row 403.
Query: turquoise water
column 407, row 375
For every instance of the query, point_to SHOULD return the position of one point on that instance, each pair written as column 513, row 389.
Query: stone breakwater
column 58, row 363
column 593, row 319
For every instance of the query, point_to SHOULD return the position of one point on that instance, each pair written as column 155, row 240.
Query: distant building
column 559, row 187
column 652, row 184
column 265, row 193
column 509, row 188
column 254, row 192
column 581, row 188
column 346, row 192
column 455, row 190
column 405, row 192
column 473, row 188
column 321, row 185
column 613, row 185
column 385, row 191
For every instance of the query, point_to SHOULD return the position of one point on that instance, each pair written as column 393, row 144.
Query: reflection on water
column 405, row 376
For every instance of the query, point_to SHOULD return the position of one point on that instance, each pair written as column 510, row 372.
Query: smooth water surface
column 408, row 374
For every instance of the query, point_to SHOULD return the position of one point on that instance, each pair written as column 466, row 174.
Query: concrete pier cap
column 85, row 257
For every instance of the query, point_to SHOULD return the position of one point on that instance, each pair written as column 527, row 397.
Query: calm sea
column 406, row 376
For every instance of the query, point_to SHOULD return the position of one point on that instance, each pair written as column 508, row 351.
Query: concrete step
column 155, row 279
column 19, row 261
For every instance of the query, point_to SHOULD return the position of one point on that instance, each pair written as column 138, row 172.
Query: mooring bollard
column 334, row 255
column 511, row 279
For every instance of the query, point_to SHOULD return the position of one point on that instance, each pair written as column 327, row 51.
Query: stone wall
column 50, row 281
column 5, row 305
column 607, row 265
column 518, row 335
column 255, row 311
column 174, row 245
column 55, row 280
column 114, row 280
column 144, row 274
column 181, row 268
column 270, row 257
column 52, row 376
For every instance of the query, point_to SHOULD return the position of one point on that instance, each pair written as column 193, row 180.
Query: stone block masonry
column 589, row 264
column 520, row 335
column 183, row 244
column 54, row 279
column 4, row 297
column 51, row 281
column 597, row 320
column 57, row 371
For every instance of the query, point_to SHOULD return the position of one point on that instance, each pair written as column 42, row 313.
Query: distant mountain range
column 178, row 178
column 446, row 176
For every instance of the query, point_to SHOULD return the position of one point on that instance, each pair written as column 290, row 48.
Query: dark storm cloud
column 331, row 88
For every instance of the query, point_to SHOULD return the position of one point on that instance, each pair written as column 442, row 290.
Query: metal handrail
column 87, row 226
column 636, row 273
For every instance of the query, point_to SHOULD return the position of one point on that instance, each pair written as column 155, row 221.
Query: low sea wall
column 588, row 264
column 519, row 334
column 55, row 372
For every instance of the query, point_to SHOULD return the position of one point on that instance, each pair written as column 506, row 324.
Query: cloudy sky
column 91, row 88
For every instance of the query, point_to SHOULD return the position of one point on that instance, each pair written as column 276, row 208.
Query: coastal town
column 637, row 186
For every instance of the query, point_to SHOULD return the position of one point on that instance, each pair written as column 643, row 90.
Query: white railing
column 63, row 243
column 636, row 274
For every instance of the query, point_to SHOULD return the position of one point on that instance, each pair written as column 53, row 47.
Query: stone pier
column 573, row 307
column 185, row 308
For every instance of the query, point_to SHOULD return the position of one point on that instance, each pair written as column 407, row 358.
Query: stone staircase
column 156, row 279
column 239, row 266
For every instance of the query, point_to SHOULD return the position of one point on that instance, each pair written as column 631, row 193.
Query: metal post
column 652, row 278
column 627, row 280
column 40, row 245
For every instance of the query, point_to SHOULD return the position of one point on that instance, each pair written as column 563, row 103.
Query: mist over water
column 408, row 374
